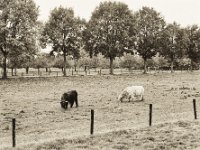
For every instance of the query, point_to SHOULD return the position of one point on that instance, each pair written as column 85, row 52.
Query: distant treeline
column 115, row 36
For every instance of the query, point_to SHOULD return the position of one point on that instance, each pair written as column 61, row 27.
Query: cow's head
column 64, row 104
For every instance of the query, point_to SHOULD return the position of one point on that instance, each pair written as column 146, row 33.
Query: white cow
column 132, row 93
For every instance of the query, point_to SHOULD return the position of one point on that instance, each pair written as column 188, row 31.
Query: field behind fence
column 35, row 105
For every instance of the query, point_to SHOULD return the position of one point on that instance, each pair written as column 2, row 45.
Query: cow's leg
column 142, row 98
column 72, row 104
column 76, row 101
column 66, row 105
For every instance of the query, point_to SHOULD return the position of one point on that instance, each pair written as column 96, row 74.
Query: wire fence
column 20, row 131
column 56, row 72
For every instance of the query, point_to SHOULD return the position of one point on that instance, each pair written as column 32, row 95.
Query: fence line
column 92, row 121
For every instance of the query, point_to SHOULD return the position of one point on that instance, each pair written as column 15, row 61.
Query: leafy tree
column 17, row 28
column 94, row 62
column 59, row 63
column 63, row 32
column 184, row 63
column 160, row 61
column 43, row 60
column 85, row 61
column 193, row 44
column 109, row 31
column 172, row 43
column 148, row 26
column 129, row 61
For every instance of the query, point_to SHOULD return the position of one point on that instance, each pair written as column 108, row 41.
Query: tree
column 172, row 43
column 148, row 26
column 129, row 61
column 63, row 32
column 193, row 44
column 160, row 61
column 109, row 31
column 17, row 27
column 59, row 62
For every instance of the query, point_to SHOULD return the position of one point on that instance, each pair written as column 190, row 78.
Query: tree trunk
column 27, row 69
column 15, row 71
column 65, row 60
column 172, row 66
column 49, row 70
column 111, row 65
column 12, row 72
column 191, row 65
column 46, row 69
column 4, row 76
column 145, row 66
column 38, row 71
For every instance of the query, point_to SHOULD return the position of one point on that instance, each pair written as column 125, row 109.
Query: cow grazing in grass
column 69, row 98
column 132, row 93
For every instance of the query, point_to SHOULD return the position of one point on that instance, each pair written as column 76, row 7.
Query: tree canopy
column 17, row 29
column 109, row 30
column 63, row 32
column 148, row 26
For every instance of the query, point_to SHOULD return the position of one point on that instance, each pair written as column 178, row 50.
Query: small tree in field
column 59, row 63
column 160, row 61
column 128, row 61
column 39, row 62
column 148, row 25
column 109, row 31
column 63, row 32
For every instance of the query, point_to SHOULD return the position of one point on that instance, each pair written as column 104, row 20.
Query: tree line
column 113, row 31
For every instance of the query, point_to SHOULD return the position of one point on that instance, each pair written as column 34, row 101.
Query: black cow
column 69, row 97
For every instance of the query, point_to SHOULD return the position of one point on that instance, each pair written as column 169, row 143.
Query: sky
column 184, row 12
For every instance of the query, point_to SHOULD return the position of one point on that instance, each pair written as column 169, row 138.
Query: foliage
column 173, row 43
column 160, row 61
column 59, row 62
column 93, row 62
column 63, row 32
column 193, row 44
column 17, row 29
column 109, row 31
column 148, row 26
column 129, row 61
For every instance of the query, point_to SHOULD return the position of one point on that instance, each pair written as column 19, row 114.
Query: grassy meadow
column 42, row 124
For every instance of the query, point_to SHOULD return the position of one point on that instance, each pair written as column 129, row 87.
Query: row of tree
column 112, row 31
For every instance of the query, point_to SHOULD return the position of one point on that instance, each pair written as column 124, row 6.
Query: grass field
column 42, row 124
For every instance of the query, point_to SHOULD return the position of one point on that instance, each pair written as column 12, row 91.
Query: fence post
column 72, row 72
column 13, row 133
column 92, row 122
column 195, row 109
column 150, row 114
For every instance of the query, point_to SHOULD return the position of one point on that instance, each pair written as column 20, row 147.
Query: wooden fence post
column 150, row 114
column 92, row 122
column 13, row 133
column 195, row 108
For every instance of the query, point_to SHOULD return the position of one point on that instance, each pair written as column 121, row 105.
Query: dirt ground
column 34, row 102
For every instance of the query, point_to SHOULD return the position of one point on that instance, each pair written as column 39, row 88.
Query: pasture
column 34, row 102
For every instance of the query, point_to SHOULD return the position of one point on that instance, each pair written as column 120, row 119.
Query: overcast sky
column 184, row 12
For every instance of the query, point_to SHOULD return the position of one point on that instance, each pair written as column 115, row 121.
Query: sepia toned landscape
column 131, row 69
column 42, row 124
